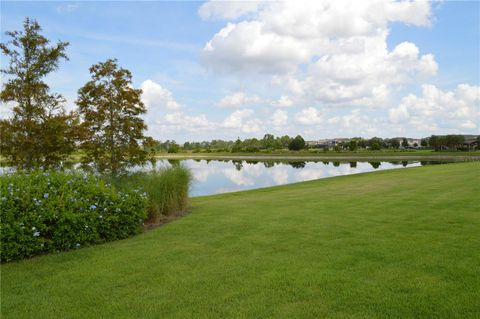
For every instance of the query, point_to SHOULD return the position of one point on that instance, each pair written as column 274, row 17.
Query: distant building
column 412, row 142
column 327, row 143
column 471, row 142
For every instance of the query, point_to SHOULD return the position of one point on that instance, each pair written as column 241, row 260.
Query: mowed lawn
column 390, row 244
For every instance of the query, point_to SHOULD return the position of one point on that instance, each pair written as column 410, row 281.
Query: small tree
column 110, row 109
column 404, row 143
column 40, row 133
column 298, row 143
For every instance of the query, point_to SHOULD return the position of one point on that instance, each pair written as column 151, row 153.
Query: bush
column 51, row 211
column 167, row 190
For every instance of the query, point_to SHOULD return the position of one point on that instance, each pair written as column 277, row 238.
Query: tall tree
column 112, row 127
column 298, row 143
column 39, row 132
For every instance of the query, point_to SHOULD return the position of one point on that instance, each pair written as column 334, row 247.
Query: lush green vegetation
column 389, row 244
column 51, row 211
column 167, row 190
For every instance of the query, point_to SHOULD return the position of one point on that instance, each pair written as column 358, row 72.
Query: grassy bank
column 389, row 244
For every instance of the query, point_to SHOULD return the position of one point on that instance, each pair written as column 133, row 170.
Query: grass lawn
column 389, row 244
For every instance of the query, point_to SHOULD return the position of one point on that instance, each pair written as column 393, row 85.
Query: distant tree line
column 269, row 142
column 106, row 126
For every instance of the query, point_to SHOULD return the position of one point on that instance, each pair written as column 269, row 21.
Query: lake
column 221, row 176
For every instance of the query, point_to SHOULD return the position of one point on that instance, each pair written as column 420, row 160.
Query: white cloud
column 437, row 110
column 399, row 114
column 156, row 97
column 238, row 99
column 242, row 120
column 309, row 116
column 235, row 120
column 279, row 118
column 283, row 101
column 322, row 51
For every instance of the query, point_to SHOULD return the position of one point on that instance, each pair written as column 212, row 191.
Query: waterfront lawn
column 389, row 244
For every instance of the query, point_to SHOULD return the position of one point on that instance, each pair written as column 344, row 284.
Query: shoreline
column 457, row 158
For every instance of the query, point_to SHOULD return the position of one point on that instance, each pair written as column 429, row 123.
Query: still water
column 217, row 176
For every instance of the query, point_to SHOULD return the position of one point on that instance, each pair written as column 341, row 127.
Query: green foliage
column 404, row 142
column 352, row 145
column 395, row 143
column 173, row 148
column 40, row 133
column 237, row 147
column 167, row 189
column 51, row 211
column 298, row 143
column 112, row 129
column 451, row 142
column 376, row 143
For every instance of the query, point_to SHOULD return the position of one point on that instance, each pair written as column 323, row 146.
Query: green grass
column 389, row 244
column 167, row 190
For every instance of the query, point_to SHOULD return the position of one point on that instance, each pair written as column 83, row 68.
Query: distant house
column 412, row 142
column 471, row 142
column 327, row 143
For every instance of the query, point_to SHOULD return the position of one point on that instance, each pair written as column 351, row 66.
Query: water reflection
column 219, row 176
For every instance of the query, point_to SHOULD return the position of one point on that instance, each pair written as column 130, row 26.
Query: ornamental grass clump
column 167, row 190
column 54, row 211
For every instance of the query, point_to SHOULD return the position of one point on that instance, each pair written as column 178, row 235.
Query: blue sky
column 228, row 69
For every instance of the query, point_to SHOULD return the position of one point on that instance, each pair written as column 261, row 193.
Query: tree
column 395, row 143
column 376, row 143
column 424, row 142
column 404, row 143
column 434, row 142
column 297, row 143
column 41, row 132
column 352, row 145
column 268, row 141
column 173, row 147
column 237, row 147
column 284, row 141
column 110, row 109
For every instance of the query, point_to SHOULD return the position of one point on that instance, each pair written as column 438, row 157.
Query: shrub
column 167, row 190
column 52, row 211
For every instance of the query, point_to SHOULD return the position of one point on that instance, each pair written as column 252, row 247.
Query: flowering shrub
column 45, row 212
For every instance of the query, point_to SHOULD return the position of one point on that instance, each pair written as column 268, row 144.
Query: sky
column 322, row 69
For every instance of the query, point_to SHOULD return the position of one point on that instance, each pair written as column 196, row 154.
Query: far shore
column 346, row 157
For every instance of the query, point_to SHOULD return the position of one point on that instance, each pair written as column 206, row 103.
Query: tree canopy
column 40, row 132
column 112, row 129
